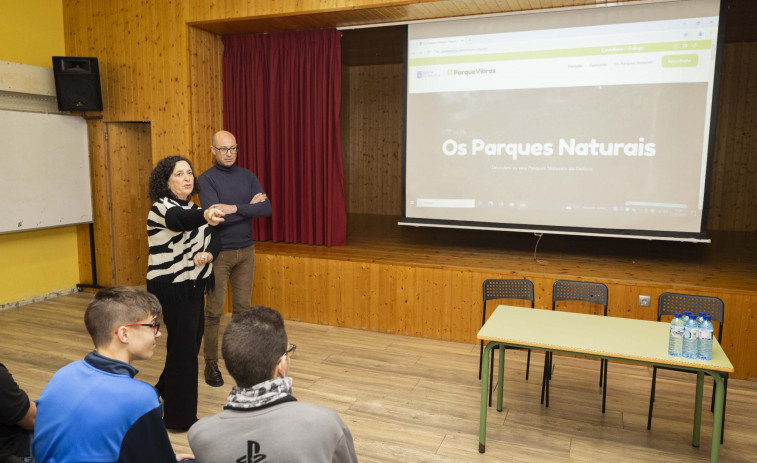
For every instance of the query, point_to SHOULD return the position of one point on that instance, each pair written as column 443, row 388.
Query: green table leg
column 484, row 392
column 698, row 409
column 717, row 417
column 501, row 374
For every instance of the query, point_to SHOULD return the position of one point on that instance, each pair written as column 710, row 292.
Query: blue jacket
column 93, row 410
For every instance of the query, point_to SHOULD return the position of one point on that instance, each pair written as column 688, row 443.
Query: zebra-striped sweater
column 176, row 231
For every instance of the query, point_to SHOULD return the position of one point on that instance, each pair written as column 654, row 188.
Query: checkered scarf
column 260, row 394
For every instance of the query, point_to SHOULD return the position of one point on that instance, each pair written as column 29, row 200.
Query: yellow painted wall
column 34, row 263
column 31, row 31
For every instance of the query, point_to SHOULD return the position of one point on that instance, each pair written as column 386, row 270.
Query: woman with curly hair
column 179, row 272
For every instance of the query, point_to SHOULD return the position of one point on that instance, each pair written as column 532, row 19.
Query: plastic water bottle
column 705, row 338
column 690, row 337
column 675, row 342
column 686, row 316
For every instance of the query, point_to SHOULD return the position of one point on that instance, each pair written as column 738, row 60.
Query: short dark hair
column 116, row 306
column 253, row 343
column 159, row 176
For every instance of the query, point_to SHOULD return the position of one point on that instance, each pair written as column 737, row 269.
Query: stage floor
column 729, row 262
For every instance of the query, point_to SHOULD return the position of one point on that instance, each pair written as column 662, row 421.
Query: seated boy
column 94, row 409
column 262, row 421
column 16, row 420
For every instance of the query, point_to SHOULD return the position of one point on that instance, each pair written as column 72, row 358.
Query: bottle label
column 705, row 335
column 676, row 333
column 690, row 334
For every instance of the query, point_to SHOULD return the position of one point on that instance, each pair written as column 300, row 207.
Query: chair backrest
column 508, row 289
column 582, row 291
column 670, row 303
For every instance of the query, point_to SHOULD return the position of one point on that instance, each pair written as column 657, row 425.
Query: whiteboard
column 44, row 171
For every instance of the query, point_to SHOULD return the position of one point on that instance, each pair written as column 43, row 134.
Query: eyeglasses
column 223, row 149
column 290, row 351
column 154, row 325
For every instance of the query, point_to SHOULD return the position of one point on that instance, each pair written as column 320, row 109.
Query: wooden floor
column 411, row 400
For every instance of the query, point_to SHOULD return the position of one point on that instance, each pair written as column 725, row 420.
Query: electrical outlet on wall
column 644, row 301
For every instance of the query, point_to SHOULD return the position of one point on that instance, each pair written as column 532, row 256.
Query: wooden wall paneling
column 448, row 322
column 427, row 320
column 205, row 102
column 74, row 27
column 100, row 203
column 336, row 293
column 733, row 199
column 310, row 289
column 469, row 300
column 130, row 160
column 143, row 32
column 133, row 87
column 345, row 130
column 346, row 308
column 441, row 303
column 178, row 55
column 97, row 45
column 376, row 279
column 206, row 93
column 266, row 287
column 360, row 311
column 744, row 140
column 394, row 323
column 740, row 322
column 719, row 212
column 422, row 314
column 457, row 316
column 437, row 319
column 408, row 298
column 375, row 139
column 373, row 45
column 110, row 62
column 387, row 291
column 320, row 293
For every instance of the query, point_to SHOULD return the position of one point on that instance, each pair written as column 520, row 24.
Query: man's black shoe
column 213, row 374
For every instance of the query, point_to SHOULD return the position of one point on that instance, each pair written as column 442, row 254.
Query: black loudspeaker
column 77, row 83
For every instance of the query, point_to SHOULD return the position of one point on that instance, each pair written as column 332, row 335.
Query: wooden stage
column 426, row 282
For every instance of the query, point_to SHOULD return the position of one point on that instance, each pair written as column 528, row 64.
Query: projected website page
column 590, row 126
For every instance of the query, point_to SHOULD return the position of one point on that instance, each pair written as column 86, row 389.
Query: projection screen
column 592, row 121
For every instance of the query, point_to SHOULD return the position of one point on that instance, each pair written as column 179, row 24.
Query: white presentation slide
column 594, row 120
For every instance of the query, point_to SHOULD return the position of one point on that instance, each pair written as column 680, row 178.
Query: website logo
column 426, row 74
column 471, row 72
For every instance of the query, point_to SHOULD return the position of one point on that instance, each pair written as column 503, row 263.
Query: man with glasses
column 262, row 421
column 237, row 192
column 94, row 409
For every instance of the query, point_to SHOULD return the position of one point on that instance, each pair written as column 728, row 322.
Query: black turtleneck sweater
column 237, row 186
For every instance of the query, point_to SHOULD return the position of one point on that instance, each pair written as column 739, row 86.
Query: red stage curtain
column 281, row 98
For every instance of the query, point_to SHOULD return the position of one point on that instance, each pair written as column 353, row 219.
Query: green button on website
column 672, row 61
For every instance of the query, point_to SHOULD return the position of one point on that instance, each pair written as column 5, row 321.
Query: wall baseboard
column 44, row 297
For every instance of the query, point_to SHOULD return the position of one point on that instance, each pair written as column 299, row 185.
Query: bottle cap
column 677, row 315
